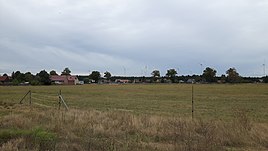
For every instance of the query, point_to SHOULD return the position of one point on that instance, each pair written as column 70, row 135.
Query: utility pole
column 201, row 65
column 264, row 73
column 125, row 71
column 146, row 68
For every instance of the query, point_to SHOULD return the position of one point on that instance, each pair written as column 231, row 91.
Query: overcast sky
column 134, row 37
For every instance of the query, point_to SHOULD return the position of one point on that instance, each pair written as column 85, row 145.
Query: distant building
column 4, row 80
column 64, row 79
column 122, row 81
column 191, row 81
column 138, row 80
column 181, row 81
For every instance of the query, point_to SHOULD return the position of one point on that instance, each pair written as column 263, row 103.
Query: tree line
column 41, row 78
column 208, row 76
column 171, row 76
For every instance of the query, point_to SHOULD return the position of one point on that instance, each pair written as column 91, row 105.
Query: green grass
column 35, row 137
column 215, row 101
column 37, row 133
column 136, row 117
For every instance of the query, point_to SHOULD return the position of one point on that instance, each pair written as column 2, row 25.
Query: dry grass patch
column 122, row 130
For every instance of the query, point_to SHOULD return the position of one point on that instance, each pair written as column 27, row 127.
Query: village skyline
column 66, row 78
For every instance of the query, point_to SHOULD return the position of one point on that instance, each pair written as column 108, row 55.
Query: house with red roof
column 64, row 79
column 4, row 80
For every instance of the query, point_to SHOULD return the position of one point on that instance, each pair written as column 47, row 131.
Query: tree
column 5, row 75
column 15, row 82
column 265, row 79
column 53, row 72
column 13, row 75
column 43, row 77
column 95, row 75
column 209, row 74
column 66, row 71
column 171, row 74
column 107, row 75
column 155, row 74
column 18, row 77
column 36, row 80
column 28, row 76
column 233, row 76
column 86, row 80
column 223, row 78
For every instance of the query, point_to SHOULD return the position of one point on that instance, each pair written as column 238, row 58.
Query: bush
column 15, row 82
column 265, row 79
column 34, row 82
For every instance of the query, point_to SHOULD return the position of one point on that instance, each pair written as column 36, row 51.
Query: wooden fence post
column 30, row 97
column 59, row 100
column 64, row 103
column 192, row 101
column 25, row 96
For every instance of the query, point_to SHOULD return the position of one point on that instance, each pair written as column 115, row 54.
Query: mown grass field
column 139, row 116
column 210, row 101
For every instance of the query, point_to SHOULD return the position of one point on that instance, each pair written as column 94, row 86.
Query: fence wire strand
column 43, row 99
column 45, row 95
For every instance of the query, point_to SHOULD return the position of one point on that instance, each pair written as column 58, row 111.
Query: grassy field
column 138, row 117
column 211, row 101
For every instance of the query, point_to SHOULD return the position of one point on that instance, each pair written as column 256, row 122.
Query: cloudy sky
column 134, row 37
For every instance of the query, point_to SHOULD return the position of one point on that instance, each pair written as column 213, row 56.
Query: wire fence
column 49, row 96
column 21, row 140
column 45, row 100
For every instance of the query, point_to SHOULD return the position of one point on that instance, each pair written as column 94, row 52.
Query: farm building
column 4, row 80
column 191, row 81
column 64, row 79
column 122, row 81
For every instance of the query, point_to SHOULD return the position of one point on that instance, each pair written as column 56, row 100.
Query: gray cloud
column 113, row 35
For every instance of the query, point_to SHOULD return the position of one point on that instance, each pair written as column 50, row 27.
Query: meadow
column 135, row 117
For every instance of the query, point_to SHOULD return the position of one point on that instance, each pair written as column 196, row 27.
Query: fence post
column 30, row 97
column 192, row 101
column 24, row 96
column 59, row 100
column 62, row 100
